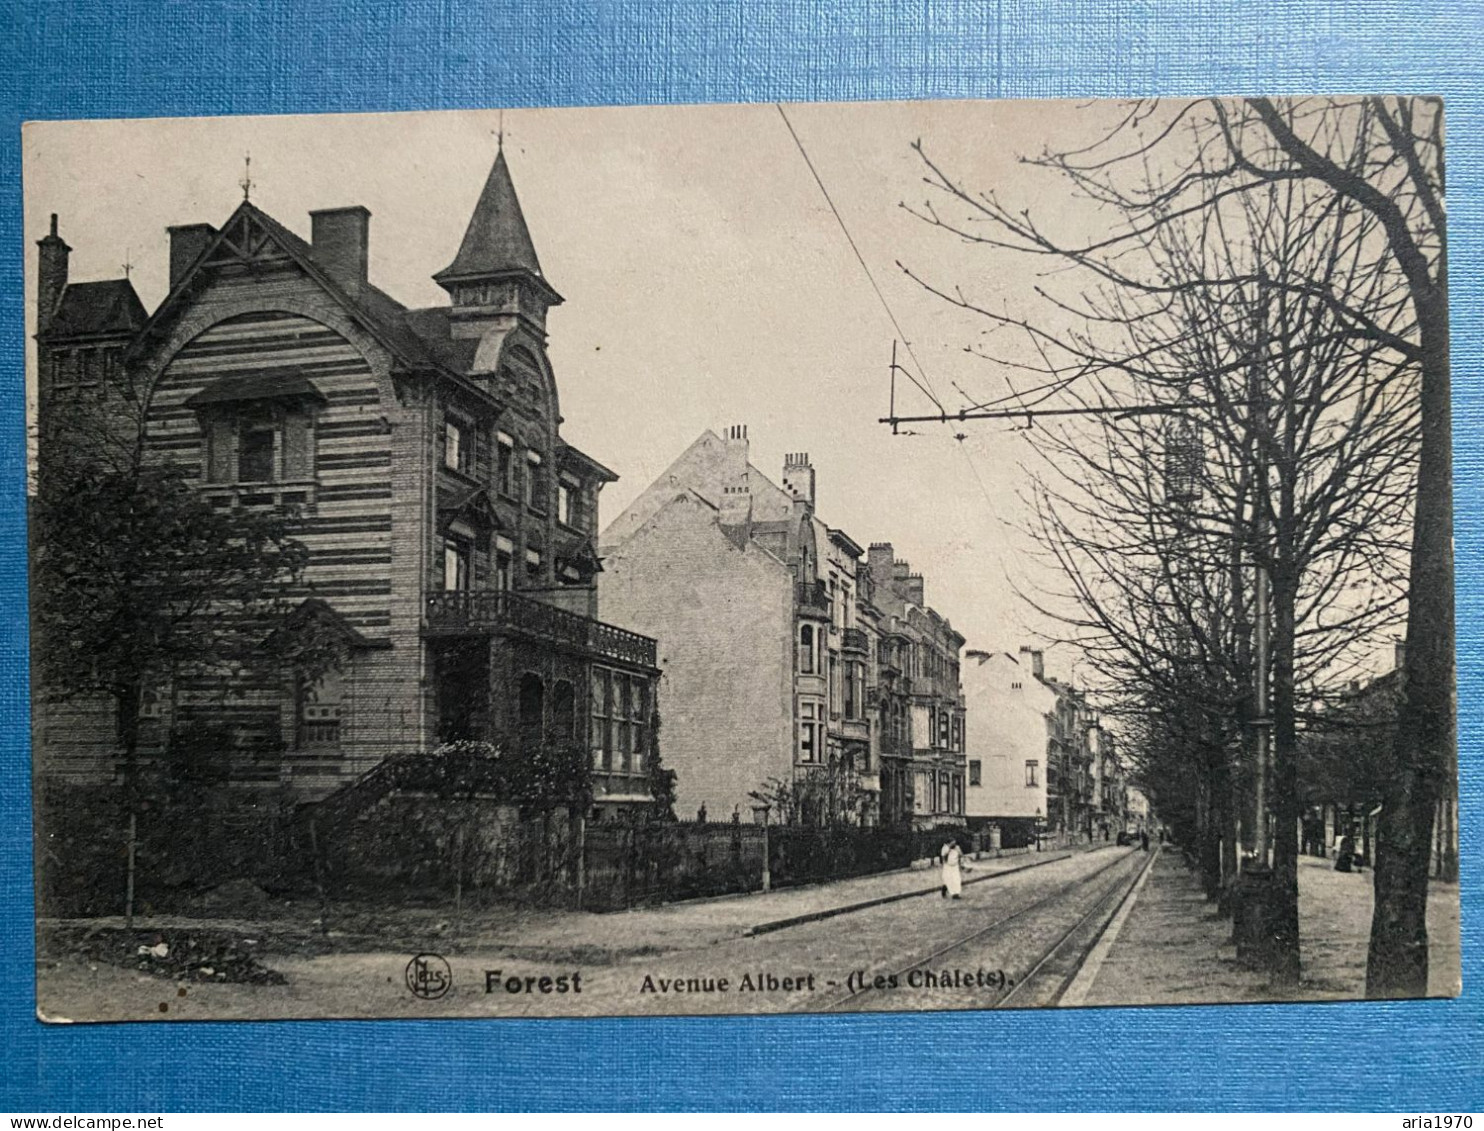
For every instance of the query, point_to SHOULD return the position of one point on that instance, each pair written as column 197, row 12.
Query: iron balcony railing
column 451, row 612
column 895, row 747
column 814, row 595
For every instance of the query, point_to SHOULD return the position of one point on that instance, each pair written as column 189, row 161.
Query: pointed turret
column 496, row 271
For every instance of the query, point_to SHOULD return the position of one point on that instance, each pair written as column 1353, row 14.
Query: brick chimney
column 913, row 590
column 878, row 560
column 341, row 239
column 736, row 488
column 187, row 242
column 798, row 476
column 51, row 275
column 1038, row 660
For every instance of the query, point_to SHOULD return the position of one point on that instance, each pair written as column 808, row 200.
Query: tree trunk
column 1284, row 791
column 1425, row 752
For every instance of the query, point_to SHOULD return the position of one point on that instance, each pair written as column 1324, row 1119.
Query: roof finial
column 500, row 134
column 126, row 265
column 246, row 181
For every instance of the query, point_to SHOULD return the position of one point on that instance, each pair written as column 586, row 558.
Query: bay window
column 811, row 731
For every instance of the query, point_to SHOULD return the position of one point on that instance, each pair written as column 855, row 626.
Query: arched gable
column 522, row 373
column 311, row 307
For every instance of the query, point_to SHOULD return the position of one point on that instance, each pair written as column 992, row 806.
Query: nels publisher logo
column 429, row 977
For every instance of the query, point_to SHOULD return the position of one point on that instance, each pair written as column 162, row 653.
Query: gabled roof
column 497, row 241
column 569, row 456
column 845, row 542
column 109, row 306
column 419, row 339
column 471, row 503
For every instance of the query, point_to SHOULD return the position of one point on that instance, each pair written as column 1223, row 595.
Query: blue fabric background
column 87, row 58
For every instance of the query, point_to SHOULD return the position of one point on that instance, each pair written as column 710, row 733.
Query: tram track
column 1055, row 965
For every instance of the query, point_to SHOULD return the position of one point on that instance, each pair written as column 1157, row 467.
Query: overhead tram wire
column 925, row 384
column 861, row 259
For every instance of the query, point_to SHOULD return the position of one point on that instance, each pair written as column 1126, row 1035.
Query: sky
column 707, row 281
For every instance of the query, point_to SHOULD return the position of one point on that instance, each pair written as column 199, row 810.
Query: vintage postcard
column 739, row 559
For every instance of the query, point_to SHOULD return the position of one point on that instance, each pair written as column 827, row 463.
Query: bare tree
column 1268, row 312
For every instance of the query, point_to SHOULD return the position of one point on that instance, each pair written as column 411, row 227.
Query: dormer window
column 258, row 428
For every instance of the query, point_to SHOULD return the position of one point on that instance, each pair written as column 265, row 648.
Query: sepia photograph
column 733, row 559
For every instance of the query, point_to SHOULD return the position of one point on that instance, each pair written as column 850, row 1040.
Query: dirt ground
column 1175, row 949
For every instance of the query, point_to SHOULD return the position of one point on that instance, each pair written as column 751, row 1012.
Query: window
column 1032, row 775
column 458, row 445
column 808, row 656
column 811, row 731
column 623, row 706
column 255, row 454
column 602, row 706
column 533, row 563
column 504, row 551
column 569, row 504
column 319, row 711
column 505, row 465
column 532, row 705
column 834, row 686
column 640, row 705
column 564, row 711
column 975, row 771
column 944, row 731
column 852, row 690
column 259, row 446
column 620, row 711
column 455, row 564
column 535, row 482
column 958, row 732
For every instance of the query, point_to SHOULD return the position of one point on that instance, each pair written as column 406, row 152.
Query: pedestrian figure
column 1161, row 834
column 1144, row 839
column 953, row 878
column 1345, row 855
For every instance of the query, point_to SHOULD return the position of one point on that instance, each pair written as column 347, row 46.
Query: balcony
column 462, row 612
column 813, row 597
column 854, row 640
column 895, row 747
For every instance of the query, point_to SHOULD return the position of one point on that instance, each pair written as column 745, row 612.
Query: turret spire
column 496, row 265
column 497, row 240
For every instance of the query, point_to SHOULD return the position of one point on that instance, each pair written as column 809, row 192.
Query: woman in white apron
column 953, row 878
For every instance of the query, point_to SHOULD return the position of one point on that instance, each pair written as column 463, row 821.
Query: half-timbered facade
column 451, row 529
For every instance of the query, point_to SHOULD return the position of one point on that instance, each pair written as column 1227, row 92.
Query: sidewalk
column 583, row 935
column 1175, row 949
